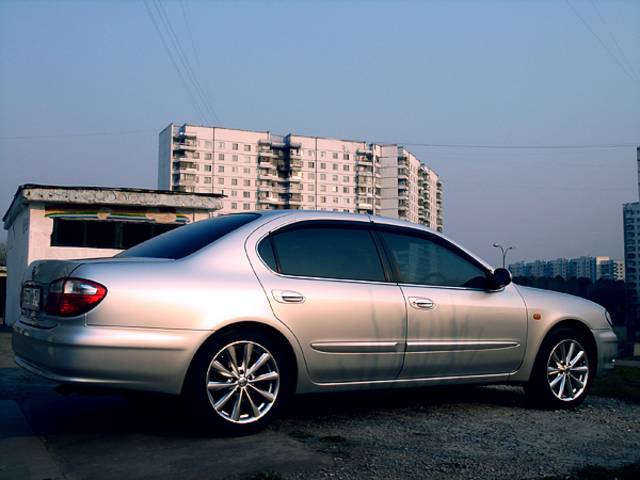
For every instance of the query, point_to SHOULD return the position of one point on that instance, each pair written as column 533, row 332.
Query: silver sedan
column 239, row 312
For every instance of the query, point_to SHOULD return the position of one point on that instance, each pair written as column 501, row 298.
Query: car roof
column 376, row 219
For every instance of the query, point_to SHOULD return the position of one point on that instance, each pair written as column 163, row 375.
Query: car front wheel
column 563, row 371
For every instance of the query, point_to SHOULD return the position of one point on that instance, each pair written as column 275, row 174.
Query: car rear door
column 325, row 280
column 456, row 326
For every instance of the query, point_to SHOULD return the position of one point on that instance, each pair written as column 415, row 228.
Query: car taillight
column 69, row 297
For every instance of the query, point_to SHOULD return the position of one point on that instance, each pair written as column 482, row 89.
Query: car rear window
column 186, row 240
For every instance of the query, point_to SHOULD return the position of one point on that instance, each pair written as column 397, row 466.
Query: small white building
column 57, row 222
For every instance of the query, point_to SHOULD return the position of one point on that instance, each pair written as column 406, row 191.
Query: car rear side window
column 327, row 251
column 425, row 261
column 186, row 240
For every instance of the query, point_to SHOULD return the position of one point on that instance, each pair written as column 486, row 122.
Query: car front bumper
column 132, row 358
column 607, row 344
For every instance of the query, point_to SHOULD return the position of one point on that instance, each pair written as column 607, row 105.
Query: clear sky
column 482, row 72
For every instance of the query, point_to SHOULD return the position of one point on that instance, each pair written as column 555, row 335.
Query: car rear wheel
column 563, row 371
column 239, row 382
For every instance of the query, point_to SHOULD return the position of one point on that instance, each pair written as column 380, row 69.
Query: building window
column 246, row 206
column 323, row 166
column 207, row 179
column 234, row 158
column 220, row 181
column 196, row 154
column 234, row 181
column 234, row 193
column 322, row 154
column 220, row 168
column 234, row 146
column 345, row 156
column 247, row 148
column 246, row 194
column 334, row 156
column 345, row 168
column 312, row 164
column 207, row 156
column 221, row 157
column 104, row 233
column 221, row 145
column 335, row 166
column 207, row 168
column 246, row 183
column 234, row 206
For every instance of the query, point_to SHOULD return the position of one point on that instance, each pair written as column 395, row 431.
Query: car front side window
column 421, row 260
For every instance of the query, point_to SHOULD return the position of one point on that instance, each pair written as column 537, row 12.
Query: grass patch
column 630, row 471
column 622, row 383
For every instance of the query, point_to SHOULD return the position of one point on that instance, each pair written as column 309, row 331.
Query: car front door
column 456, row 325
column 326, row 282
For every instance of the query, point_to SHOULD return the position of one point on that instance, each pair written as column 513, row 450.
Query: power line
column 184, row 59
column 623, row 56
column 408, row 144
column 80, row 134
column 604, row 45
column 520, row 147
column 187, row 87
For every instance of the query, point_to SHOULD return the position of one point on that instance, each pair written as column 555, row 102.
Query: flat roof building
column 61, row 222
column 257, row 170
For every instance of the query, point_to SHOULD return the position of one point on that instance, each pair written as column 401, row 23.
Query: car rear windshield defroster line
column 186, row 240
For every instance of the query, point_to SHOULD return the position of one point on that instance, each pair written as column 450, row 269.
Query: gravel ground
column 465, row 433
column 436, row 433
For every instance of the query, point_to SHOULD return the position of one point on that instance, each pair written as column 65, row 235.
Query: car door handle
column 287, row 296
column 421, row 303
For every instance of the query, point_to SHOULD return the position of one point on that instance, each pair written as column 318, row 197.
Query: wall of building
column 258, row 170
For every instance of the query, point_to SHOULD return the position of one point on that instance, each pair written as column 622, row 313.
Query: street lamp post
column 504, row 253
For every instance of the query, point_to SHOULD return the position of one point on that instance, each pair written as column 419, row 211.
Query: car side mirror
column 501, row 278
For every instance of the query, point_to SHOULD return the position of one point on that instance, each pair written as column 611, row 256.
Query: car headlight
column 608, row 317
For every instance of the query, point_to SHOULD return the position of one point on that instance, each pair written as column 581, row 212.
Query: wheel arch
column 254, row 326
column 578, row 326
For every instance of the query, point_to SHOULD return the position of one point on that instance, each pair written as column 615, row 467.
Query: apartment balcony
column 264, row 162
column 364, row 160
column 187, row 146
column 184, row 167
column 403, row 173
column 364, row 151
column 268, row 174
column 186, row 182
column 266, row 153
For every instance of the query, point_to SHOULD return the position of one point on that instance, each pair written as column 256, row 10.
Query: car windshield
column 186, row 240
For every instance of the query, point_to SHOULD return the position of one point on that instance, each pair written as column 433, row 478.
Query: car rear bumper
column 607, row 344
column 133, row 358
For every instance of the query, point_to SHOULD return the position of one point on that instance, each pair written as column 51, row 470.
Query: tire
column 233, row 396
column 556, row 383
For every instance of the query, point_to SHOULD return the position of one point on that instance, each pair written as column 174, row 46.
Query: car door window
column 421, row 260
column 327, row 251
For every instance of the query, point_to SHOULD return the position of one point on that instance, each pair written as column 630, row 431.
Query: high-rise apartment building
column 631, row 226
column 261, row 171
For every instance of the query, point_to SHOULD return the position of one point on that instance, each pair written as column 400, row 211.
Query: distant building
column 257, row 170
column 593, row 268
column 54, row 222
column 631, row 226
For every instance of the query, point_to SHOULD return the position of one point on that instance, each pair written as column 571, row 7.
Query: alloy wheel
column 243, row 381
column 568, row 370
